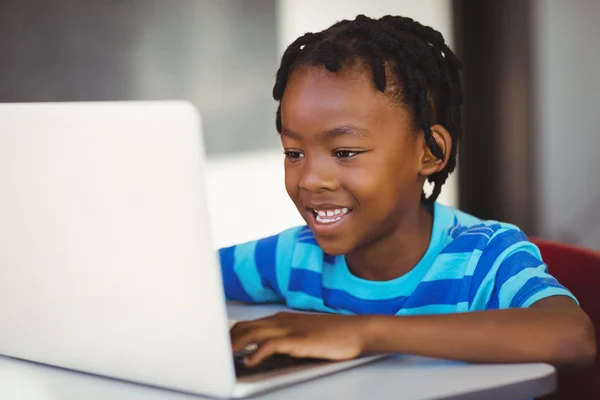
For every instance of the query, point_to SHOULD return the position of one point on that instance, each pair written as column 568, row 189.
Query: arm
column 554, row 330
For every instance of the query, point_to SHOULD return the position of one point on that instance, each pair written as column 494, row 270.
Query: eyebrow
column 342, row 130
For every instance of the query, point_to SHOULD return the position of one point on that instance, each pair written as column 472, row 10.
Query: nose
column 318, row 176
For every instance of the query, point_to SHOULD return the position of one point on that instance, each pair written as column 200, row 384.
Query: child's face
column 352, row 153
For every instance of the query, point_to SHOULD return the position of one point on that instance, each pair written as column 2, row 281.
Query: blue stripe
column 265, row 257
column 339, row 277
column 495, row 247
column 306, row 236
column 286, row 248
column 340, row 299
column 441, row 292
column 533, row 286
column 307, row 256
column 329, row 259
column 430, row 310
column 306, row 281
column 303, row 301
column 432, row 294
column 311, row 283
column 231, row 283
column 510, row 267
column 446, row 266
column 548, row 292
column 455, row 229
column 494, row 302
column 476, row 237
column 514, row 264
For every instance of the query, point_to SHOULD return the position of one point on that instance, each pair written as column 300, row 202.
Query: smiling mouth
column 330, row 216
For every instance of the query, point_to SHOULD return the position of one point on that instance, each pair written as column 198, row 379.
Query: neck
column 396, row 253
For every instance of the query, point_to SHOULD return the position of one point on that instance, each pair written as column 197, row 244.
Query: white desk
column 399, row 377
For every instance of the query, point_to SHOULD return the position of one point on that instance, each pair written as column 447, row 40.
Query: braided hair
column 409, row 59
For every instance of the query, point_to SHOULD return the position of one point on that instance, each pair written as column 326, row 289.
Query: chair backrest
column 577, row 269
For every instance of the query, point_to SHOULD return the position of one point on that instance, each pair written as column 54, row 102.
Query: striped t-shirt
column 469, row 265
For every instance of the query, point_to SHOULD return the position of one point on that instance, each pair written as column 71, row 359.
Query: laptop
column 106, row 259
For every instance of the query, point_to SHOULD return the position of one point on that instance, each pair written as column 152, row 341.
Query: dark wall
column 493, row 39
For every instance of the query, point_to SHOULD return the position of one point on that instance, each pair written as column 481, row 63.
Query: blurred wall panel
column 497, row 171
column 221, row 55
column 531, row 115
column 567, row 93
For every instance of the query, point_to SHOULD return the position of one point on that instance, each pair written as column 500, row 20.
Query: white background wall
column 247, row 196
column 296, row 17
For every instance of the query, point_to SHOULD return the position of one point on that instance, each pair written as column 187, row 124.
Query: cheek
column 380, row 188
column 291, row 182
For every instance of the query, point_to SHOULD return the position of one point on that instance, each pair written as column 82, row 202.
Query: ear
column 429, row 164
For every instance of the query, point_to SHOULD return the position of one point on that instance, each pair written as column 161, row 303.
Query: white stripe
column 475, row 233
column 476, row 229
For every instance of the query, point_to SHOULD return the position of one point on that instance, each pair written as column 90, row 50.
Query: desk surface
column 403, row 377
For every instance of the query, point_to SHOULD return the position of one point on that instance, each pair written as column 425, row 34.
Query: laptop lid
column 106, row 262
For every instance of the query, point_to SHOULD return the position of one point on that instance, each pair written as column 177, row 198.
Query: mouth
column 328, row 220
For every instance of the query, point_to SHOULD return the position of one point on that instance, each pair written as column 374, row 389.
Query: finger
column 242, row 326
column 275, row 319
column 255, row 336
column 241, row 330
column 280, row 345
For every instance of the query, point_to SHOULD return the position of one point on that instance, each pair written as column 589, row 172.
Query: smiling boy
column 368, row 111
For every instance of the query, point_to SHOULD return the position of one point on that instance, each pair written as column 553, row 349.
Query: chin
column 334, row 247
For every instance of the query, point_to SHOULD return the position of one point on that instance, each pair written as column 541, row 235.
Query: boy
column 368, row 111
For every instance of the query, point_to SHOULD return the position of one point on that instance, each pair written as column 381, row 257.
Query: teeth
column 324, row 217
column 323, row 214
column 326, row 220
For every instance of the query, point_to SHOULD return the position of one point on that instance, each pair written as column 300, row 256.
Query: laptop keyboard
column 272, row 363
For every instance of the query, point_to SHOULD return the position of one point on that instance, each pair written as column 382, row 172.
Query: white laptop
column 106, row 260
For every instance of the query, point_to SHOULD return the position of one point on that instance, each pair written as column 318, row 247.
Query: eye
column 345, row 154
column 293, row 155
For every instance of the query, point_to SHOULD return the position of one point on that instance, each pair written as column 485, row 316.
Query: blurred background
column 528, row 154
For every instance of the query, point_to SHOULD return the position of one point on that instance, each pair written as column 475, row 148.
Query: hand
column 333, row 337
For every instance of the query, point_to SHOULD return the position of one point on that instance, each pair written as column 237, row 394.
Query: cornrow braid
column 410, row 60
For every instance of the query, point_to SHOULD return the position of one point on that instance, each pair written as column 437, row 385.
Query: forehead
column 315, row 97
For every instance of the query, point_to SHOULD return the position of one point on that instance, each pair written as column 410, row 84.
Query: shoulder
column 259, row 270
column 465, row 233
column 503, row 268
column 276, row 252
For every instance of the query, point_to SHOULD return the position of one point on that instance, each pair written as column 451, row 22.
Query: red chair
column 577, row 269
